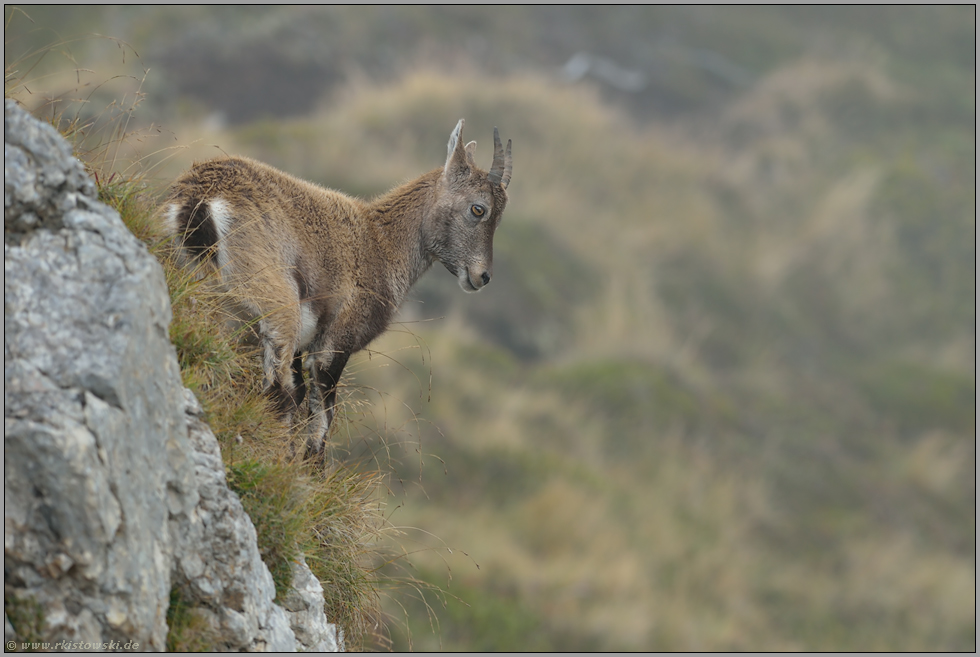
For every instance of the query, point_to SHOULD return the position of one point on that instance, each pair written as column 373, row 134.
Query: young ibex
column 321, row 273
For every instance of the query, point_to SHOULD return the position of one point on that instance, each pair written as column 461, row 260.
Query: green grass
column 271, row 501
column 187, row 631
column 26, row 616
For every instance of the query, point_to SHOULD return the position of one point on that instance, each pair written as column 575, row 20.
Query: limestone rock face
column 217, row 560
column 114, row 489
column 95, row 444
column 304, row 607
column 41, row 179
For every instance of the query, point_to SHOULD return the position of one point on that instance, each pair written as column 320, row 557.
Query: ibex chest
column 348, row 319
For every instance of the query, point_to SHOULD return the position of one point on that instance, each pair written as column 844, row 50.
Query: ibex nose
column 486, row 277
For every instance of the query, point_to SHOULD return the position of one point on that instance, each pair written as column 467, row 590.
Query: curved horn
column 454, row 143
column 508, row 167
column 501, row 167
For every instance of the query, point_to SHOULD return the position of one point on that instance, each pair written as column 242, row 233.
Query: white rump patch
column 221, row 216
column 307, row 324
column 170, row 219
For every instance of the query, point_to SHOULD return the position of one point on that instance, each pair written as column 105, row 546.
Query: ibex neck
column 397, row 218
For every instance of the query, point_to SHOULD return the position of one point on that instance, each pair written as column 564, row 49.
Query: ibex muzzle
column 320, row 273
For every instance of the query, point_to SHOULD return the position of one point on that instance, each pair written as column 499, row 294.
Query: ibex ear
column 456, row 158
column 471, row 153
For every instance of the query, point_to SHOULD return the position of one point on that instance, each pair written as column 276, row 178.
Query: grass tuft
column 274, row 503
column 26, row 617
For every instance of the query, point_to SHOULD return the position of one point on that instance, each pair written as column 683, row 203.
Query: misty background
column 720, row 394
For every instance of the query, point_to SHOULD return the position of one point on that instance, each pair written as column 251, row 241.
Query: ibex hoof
column 316, row 451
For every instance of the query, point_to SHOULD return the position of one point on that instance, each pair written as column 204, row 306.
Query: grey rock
column 40, row 177
column 93, row 430
column 220, row 566
column 114, row 488
column 304, row 606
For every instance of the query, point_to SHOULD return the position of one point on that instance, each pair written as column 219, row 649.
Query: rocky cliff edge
column 114, row 488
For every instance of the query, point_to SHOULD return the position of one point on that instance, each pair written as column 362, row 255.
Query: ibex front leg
column 325, row 369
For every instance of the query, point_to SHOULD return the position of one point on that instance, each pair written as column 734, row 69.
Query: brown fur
column 322, row 273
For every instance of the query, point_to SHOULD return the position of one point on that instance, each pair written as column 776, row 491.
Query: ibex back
column 320, row 274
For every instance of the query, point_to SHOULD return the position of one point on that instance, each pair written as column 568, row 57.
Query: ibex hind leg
column 317, row 424
column 325, row 371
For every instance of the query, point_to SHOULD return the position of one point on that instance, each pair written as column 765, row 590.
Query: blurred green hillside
column 721, row 392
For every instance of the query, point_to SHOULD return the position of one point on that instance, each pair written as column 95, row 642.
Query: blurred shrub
column 933, row 215
column 636, row 400
column 529, row 307
column 919, row 397
column 472, row 618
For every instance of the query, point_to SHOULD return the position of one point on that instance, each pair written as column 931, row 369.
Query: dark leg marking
column 283, row 401
column 298, row 382
column 326, row 380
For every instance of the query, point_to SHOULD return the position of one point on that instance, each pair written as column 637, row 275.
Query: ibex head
column 467, row 210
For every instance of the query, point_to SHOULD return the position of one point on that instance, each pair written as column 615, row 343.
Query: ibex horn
column 501, row 168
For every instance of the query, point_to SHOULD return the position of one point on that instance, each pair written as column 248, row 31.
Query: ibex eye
column 477, row 210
